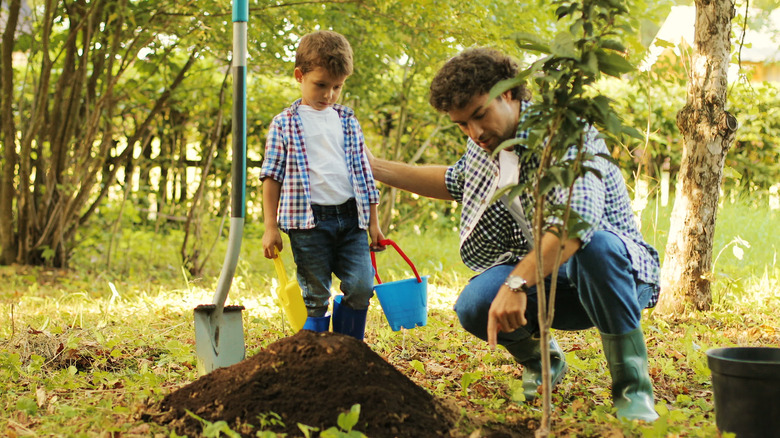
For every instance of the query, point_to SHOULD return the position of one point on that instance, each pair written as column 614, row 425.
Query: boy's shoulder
column 343, row 110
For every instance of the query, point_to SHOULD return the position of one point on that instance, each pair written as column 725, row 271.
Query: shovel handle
column 403, row 255
column 280, row 272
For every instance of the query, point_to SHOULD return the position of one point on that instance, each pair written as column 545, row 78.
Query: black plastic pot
column 746, row 388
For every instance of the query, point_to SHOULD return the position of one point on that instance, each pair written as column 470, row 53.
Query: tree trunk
column 191, row 256
column 708, row 131
column 7, row 191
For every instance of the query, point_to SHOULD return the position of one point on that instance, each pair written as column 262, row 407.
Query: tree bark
column 708, row 131
column 7, row 191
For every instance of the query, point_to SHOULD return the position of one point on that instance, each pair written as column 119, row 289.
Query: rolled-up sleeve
column 454, row 179
column 275, row 153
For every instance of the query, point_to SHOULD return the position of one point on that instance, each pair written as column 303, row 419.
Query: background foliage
column 160, row 129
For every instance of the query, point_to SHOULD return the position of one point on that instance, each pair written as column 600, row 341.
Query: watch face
column 515, row 282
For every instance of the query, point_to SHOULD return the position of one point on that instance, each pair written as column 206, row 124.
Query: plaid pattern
column 490, row 236
column 286, row 161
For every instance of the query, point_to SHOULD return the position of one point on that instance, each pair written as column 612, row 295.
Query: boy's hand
column 376, row 236
column 272, row 239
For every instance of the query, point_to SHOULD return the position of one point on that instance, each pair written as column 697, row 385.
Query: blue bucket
column 404, row 302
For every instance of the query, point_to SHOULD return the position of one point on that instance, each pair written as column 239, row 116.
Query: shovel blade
column 292, row 303
column 218, row 345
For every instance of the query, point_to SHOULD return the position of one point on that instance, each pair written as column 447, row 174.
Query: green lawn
column 82, row 351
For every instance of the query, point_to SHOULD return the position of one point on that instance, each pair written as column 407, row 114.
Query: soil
column 309, row 378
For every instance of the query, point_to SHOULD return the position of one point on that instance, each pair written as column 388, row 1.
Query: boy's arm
column 272, row 238
column 374, row 231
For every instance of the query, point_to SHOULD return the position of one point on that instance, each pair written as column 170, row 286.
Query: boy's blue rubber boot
column 317, row 323
column 348, row 321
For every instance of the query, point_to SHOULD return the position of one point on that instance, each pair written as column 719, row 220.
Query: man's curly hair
column 471, row 73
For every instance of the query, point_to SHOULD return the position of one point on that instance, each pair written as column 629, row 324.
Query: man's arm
column 426, row 181
column 507, row 312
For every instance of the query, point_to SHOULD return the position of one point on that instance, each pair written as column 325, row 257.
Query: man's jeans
column 595, row 287
column 336, row 245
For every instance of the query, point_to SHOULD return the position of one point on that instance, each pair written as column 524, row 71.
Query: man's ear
column 298, row 74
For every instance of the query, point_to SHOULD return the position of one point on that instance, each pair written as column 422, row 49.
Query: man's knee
column 603, row 242
column 472, row 309
column 604, row 251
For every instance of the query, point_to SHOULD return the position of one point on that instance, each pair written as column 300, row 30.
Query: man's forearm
column 550, row 245
column 426, row 181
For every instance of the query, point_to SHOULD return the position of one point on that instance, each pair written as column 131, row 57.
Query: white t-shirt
column 509, row 174
column 330, row 183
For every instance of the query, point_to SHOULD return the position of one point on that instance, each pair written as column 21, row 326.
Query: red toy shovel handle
column 394, row 245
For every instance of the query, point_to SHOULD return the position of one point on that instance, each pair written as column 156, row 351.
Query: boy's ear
column 298, row 74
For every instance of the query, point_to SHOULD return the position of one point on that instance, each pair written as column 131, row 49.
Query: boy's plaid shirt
column 489, row 235
column 286, row 161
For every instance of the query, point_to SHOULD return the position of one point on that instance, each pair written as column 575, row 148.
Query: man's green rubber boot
column 532, row 368
column 632, row 391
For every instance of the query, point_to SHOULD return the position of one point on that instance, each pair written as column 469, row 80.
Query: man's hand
column 506, row 314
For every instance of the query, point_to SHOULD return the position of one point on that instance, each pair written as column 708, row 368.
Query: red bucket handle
column 394, row 245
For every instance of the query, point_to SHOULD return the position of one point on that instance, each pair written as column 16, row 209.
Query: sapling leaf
column 563, row 46
column 348, row 420
column 529, row 41
column 613, row 45
column 612, row 64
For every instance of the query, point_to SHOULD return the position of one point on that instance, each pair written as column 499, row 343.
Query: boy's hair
column 473, row 72
column 326, row 49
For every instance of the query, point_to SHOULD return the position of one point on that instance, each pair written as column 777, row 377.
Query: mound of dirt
column 309, row 378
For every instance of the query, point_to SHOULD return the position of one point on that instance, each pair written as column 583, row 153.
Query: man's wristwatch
column 516, row 284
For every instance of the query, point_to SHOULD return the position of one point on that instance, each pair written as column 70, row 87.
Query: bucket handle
column 394, row 245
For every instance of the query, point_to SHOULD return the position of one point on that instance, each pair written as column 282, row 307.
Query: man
column 609, row 272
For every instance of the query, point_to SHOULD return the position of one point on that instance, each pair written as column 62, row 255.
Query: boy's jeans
column 595, row 287
column 336, row 245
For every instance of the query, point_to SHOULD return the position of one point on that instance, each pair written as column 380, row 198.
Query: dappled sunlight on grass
column 78, row 355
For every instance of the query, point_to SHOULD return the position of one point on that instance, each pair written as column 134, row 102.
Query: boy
column 316, row 174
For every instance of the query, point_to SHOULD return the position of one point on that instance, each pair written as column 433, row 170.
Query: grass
column 82, row 351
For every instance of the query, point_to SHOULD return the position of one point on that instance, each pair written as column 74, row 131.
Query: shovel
column 289, row 295
column 219, row 331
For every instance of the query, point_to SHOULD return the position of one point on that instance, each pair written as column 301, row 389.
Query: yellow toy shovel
column 289, row 295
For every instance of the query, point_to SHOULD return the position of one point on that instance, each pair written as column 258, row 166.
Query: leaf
column 613, row 45
column 506, row 144
column 591, row 64
column 612, row 64
column 418, row 366
column 348, row 420
column 27, row 405
column 468, row 379
column 563, row 46
column 505, row 85
column 528, row 41
column 546, row 184
column 663, row 43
